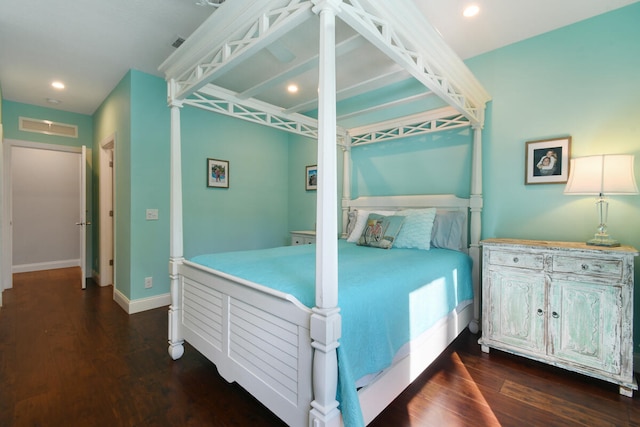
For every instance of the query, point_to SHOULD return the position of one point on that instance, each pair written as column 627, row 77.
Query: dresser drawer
column 567, row 264
column 516, row 259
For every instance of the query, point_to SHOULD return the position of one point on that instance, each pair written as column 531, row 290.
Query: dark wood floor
column 73, row 358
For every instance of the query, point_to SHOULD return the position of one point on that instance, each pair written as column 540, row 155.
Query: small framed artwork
column 311, row 178
column 217, row 173
column 547, row 161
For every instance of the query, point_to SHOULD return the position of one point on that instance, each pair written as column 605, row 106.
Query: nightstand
column 562, row 303
column 304, row 237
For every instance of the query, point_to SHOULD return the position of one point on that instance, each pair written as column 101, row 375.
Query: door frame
column 6, row 281
column 107, row 201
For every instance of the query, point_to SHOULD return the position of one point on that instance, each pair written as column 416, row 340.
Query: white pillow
column 416, row 229
column 361, row 222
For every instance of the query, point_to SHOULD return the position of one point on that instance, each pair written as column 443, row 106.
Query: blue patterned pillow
column 380, row 231
column 416, row 230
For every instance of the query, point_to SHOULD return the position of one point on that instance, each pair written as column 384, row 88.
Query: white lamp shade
column 610, row 174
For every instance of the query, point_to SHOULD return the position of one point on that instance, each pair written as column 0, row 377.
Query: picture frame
column 311, row 178
column 547, row 161
column 217, row 173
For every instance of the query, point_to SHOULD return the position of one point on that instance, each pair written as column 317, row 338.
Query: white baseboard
column 142, row 304
column 52, row 265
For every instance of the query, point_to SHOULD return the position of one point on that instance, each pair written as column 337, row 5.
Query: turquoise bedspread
column 386, row 298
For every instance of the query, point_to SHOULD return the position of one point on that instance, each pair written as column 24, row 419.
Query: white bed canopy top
column 243, row 57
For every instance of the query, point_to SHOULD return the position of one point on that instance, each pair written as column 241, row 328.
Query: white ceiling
column 90, row 44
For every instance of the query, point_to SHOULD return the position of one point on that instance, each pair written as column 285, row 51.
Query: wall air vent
column 178, row 42
column 48, row 127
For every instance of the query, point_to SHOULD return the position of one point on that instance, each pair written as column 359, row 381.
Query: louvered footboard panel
column 203, row 312
column 256, row 337
column 265, row 345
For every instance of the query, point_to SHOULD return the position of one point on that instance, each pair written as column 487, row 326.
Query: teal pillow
column 416, row 231
column 380, row 231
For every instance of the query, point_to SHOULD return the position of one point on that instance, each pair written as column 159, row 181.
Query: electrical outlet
column 148, row 282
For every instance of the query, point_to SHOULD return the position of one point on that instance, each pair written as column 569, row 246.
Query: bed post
column 346, row 182
column 476, row 223
column 176, row 348
column 325, row 320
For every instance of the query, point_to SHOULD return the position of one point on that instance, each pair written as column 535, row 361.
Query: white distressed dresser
column 563, row 303
column 304, row 237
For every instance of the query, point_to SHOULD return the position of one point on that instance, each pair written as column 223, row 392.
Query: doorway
column 107, row 211
column 44, row 221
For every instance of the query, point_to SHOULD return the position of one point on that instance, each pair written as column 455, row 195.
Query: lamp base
column 603, row 240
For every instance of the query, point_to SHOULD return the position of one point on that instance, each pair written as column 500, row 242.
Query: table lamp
column 602, row 175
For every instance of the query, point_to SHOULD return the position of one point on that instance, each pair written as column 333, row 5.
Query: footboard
column 254, row 335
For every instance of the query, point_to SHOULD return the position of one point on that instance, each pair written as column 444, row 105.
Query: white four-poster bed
column 298, row 378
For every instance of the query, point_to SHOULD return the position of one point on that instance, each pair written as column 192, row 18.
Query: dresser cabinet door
column 516, row 309
column 585, row 324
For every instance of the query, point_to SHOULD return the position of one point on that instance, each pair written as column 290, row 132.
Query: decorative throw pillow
column 447, row 230
column 380, row 231
column 361, row 221
column 416, row 230
column 351, row 221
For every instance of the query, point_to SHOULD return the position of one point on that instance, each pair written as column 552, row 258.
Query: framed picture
column 547, row 161
column 311, row 178
column 217, row 173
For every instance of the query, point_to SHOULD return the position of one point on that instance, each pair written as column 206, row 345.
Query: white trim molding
column 141, row 304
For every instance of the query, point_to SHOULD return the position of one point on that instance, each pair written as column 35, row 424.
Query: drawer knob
column 516, row 259
column 585, row 267
column 555, row 315
column 540, row 312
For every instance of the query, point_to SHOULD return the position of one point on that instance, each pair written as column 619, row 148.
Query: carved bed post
column 176, row 349
column 325, row 320
column 476, row 223
column 346, row 182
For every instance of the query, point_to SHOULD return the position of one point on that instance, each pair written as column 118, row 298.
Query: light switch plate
column 152, row 214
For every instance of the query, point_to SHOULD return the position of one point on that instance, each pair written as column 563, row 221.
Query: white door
column 48, row 221
column 82, row 224
column 2, row 213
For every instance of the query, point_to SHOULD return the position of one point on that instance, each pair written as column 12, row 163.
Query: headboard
column 442, row 203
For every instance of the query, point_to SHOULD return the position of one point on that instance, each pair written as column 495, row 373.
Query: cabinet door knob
column 585, row 266
column 540, row 312
column 555, row 315
column 515, row 259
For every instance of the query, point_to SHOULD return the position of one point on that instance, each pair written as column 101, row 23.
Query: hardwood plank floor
column 70, row 357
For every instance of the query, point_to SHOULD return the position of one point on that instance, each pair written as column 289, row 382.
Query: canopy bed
column 283, row 345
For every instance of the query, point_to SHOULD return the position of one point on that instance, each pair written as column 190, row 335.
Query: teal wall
column 113, row 117
column 253, row 212
column 12, row 111
column 422, row 164
column 581, row 81
column 136, row 113
column 303, row 152
column 149, row 179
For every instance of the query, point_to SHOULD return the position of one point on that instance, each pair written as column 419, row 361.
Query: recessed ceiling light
column 471, row 10
column 57, row 85
column 292, row 88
